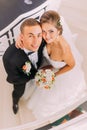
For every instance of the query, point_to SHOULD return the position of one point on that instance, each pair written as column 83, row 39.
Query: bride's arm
column 69, row 60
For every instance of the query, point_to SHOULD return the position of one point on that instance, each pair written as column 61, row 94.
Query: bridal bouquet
column 45, row 78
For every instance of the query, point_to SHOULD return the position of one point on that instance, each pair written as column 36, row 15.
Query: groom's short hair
column 29, row 22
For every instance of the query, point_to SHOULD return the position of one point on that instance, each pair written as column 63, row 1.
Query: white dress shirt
column 33, row 57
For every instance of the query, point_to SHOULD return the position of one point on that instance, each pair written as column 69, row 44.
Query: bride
column 65, row 61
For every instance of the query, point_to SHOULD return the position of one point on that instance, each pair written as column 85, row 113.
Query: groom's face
column 32, row 37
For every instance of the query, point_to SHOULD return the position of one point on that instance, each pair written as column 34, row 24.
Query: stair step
column 26, row 115
column 7, row 117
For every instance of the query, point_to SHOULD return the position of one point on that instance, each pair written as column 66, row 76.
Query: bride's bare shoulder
column 63, row 42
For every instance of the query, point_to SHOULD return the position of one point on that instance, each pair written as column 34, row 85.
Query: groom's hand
column 19, row 43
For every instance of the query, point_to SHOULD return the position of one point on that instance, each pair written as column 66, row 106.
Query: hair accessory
column 58, row 22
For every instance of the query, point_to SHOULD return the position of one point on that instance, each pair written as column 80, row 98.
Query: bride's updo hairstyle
column 52, row 17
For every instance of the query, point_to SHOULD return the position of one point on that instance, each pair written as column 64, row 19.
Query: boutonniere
column 26, row 68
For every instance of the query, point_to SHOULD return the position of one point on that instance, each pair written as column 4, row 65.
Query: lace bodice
column 55, row 64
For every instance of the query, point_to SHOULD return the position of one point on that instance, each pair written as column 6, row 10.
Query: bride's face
column 49, row 32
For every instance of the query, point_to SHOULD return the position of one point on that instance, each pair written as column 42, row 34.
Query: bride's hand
column 19, row 43
column 47, row 67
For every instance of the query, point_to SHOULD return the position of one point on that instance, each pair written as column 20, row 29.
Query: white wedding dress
column 68, row 87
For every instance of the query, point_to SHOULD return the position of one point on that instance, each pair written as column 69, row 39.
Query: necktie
column 33, row 58
column 29, row 53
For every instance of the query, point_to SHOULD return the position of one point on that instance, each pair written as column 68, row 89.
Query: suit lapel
column 26, row 58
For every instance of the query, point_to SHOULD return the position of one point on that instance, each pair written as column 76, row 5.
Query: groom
column 22, row 65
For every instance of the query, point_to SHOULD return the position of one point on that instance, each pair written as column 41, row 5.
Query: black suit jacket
column 14, row 59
